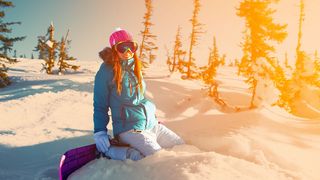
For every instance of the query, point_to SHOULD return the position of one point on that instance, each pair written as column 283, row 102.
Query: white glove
column 102, row 141
column 134, row 154
column 117, row 152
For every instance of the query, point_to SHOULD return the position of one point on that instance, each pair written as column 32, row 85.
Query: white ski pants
column 151, row 141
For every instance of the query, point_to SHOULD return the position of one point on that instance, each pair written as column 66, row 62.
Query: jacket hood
column 106, row 55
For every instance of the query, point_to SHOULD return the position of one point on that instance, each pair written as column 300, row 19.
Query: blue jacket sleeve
column 101, row 100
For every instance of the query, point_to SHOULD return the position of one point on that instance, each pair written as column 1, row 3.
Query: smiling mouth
column 127, row 57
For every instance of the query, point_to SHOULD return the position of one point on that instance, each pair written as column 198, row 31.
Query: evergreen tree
column 148, row 45
column 194, row 37
column 42, row 48
column 223, row 59
column 64, row 57
column 7, row 47
column 210, row 71
column 47, row 47
column 260, row 32
column 15, row 54
column 4, row 79
column 51, row 47
column 304, row 77
column 169, row 60
column 32, row 57
column 305, row 69
column 177, row 60
column 6, row 43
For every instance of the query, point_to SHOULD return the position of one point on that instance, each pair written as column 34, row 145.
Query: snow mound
column 180, row 163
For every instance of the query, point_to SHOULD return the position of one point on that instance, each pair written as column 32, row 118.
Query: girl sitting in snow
column 119, row 85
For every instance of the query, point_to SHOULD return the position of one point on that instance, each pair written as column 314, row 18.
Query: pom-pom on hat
column 119, row 35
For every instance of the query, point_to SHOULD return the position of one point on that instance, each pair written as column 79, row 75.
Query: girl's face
column 126, row 55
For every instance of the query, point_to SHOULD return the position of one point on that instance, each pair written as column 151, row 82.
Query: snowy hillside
column 42, row 116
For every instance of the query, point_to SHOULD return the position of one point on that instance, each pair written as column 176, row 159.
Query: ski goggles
column 123, row 47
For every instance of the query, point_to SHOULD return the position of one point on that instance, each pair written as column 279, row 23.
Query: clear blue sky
column 91, row 21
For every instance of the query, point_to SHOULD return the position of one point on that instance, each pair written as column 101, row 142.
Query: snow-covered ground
column 42, row 116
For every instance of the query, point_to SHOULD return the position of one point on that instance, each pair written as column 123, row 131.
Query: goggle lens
column 124, row 46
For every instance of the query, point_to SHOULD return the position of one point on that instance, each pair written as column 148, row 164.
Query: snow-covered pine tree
column 51, row 46
column 194, row 37
column 259, row 33
column 64, row 57
column 47, row 47
column 6, row 43
column 147, row 46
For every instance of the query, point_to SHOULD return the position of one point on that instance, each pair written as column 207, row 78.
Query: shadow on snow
column 21, row 88
column 37, row 161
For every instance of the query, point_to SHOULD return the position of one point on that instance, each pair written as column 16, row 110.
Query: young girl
column 119, row 85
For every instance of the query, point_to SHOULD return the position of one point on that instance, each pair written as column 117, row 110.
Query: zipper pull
column 130, row 85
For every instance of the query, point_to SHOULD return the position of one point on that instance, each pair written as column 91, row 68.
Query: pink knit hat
column 119, row 35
